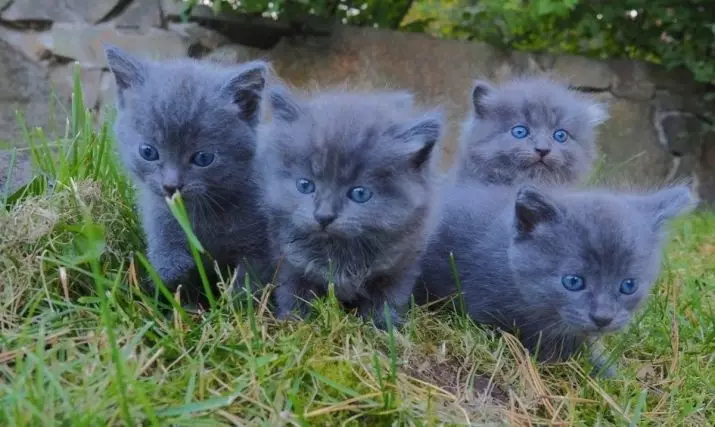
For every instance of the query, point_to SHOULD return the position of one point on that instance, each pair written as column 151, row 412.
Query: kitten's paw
column 378, row 317
column 604, row 371
column 294, row 312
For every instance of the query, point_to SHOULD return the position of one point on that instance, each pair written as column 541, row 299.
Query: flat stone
column 4, row 3
column 196, row 34
column 583, row 72
column 630, row 143
column 75, row 11
column 62, row 80
column 631, row 80
column 140, row 14
column 86, row 44
column 27, row 42
column 234, row 53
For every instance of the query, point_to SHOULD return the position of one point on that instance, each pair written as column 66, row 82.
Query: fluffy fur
column 492, row 154
column 180, row 108
column 514, row 246
column 339, row 141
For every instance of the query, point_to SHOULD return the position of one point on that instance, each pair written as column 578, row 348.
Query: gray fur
column 512, row 246
column 181, row 107
column 340, row 140
column 492, row 155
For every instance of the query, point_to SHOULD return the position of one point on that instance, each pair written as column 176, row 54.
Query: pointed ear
column 128, row 70
column 666, row 204
column 532, row 207
column 480, row 90
column 282, row 105
column 597, row 113
column 419, row 137
column 245, row 89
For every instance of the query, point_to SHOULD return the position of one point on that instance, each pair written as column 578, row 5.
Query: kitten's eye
column 202, row 158
column 561, row 136
column 359, row 194
column 520, row 132
column 628, row 287
column 573, row 283
column 305, row 186
column 148, row 153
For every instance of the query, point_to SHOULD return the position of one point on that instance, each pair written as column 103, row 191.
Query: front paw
column 378, row 315
column 603, row 370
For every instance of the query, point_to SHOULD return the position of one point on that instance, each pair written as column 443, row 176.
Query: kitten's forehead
column 610, row 235
column 180, row 106
column 348, row 133
column 540, row 101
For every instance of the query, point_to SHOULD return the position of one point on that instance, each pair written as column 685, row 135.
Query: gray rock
column 86, row 43
column 631, row 146
column 234, row 54
column 140, row 14
column 4, row 3
column 679, row 132
column 583, row 72
column 20, row 174
column 631, row 80
column 197, row 34
column 75, row 11
column 62, row 80
column 28, row 42
column 24, row 87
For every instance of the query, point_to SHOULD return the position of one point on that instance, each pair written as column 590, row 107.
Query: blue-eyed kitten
column 188, row 126
column 348, row 181
column 558, row 266
column 528, row 130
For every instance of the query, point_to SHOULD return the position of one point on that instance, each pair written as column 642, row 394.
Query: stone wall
column 657, row 131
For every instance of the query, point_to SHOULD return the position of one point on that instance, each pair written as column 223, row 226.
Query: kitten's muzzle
column 542, row 152
column 601, row 321
column 170, row 189
column 324, row 218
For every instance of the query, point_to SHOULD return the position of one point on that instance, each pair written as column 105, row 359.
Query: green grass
column 81, row 344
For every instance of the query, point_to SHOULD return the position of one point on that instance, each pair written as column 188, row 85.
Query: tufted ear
column 665, row 204
column 282, row 105
column 128, row 70
column 418, row 138
column 480, row 90
column 245, row 89
column 532, row 207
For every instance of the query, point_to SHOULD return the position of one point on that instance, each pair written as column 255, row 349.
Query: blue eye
column 561, row 136
column 520, row 132
column 305, row 186
column 359, row 194
column 202, row 158
column 573, row 282
column 628, row 287
column 148, row 153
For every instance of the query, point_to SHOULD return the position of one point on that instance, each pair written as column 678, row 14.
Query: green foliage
column 672, row 33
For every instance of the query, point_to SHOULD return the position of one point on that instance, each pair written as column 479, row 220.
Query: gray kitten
column 562, row 267
column 528, row 130
column 188, row 126
column 348, row 179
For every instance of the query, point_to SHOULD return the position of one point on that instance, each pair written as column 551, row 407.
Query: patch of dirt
column 451, row 376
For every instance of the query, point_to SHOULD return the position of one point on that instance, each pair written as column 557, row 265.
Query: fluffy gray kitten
column 188, row 126
column 560, row 267
column 528, row 130
column 348, row 180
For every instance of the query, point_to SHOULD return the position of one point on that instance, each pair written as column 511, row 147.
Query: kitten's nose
column 543, row 152
column 170, row 189
column 325, row 218
column 601, row 321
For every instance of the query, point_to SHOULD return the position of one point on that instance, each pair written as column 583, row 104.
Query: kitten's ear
column 128, row 70
column 480, row 90
column 245, row 88
column 532, row 208
column 282, row 105
column 418, row 138
column 666, row 204
column 597, row 113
